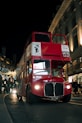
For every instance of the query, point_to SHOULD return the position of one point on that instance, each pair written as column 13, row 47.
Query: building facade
column 68, row 21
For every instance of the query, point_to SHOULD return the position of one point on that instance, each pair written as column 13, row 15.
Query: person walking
column 0, row 84
column 75, row 87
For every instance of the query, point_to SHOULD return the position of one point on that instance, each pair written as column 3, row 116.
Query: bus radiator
column 53, row 89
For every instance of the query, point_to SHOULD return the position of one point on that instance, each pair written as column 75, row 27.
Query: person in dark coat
column 75, row 87
column 0, row 84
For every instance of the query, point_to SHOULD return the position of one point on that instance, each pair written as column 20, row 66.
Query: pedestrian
column 0, row 84
column 75, row 87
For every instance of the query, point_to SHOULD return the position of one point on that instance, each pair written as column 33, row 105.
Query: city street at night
column 41, row 61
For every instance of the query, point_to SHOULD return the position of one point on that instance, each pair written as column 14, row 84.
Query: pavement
column 77, row 98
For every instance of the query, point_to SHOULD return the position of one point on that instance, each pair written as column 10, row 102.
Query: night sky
column 19, row 19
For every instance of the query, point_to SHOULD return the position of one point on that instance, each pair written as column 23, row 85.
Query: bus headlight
column 68, row 86
column 37, row 87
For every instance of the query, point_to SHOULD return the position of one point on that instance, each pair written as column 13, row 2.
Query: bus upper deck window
column 42, row 38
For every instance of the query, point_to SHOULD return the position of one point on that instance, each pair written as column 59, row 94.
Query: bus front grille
column 53, row 89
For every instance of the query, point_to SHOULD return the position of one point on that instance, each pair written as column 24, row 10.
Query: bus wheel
column 28, row 94
column 30, row 98
column 66, row 98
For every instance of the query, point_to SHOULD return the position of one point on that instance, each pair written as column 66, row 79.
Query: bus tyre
column 27, row 94
column 30, row 98
column 66, row 98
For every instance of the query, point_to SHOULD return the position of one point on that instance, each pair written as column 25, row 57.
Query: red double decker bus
column 41, row 72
